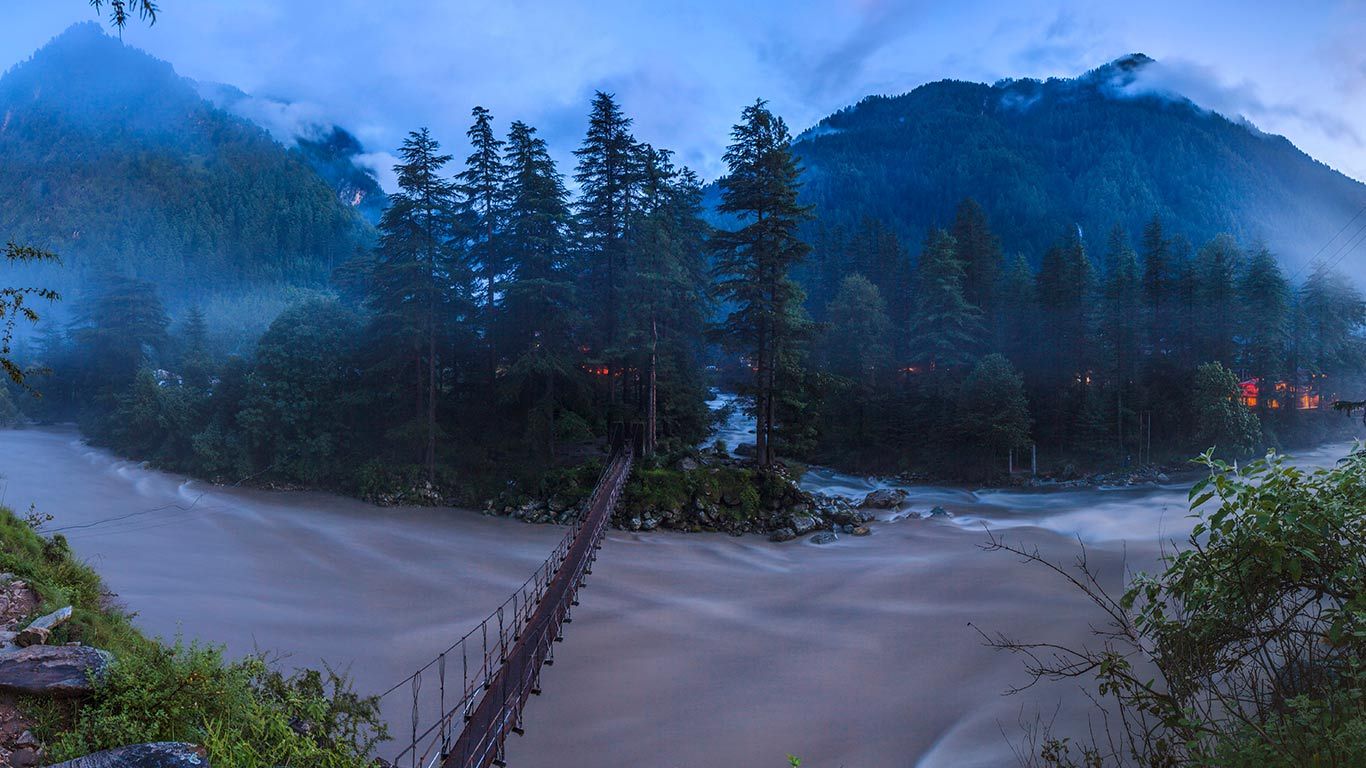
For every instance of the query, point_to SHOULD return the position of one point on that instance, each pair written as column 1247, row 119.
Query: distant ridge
column 115, row 162
column 1112, row 146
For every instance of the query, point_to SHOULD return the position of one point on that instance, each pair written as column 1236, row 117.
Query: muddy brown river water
column 688, row 650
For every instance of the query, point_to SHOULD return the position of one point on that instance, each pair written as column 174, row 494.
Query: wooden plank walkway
column 498, row 711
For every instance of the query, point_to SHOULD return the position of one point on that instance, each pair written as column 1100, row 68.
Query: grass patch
column 246, row 713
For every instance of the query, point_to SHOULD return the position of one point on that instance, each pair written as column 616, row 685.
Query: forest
column 501, row 324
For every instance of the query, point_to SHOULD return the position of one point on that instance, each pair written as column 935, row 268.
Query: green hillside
column 1044, row 157
column 117, row 164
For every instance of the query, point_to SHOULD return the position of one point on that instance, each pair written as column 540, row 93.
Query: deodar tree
column 418, row 284
column 752, row 263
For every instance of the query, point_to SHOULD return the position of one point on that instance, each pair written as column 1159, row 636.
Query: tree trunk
column 761, row 399
column 651, row 424
column 431, row 403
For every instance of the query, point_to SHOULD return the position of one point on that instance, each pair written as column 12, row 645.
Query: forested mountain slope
column 117, row 164
column 1102, row 149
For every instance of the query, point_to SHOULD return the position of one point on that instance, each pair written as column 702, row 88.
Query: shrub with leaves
column 1247, row 649
column 246, row 713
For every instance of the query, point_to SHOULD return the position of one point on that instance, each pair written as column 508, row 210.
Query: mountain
column 118, row 164
column 332, row 151
column 1109, row 147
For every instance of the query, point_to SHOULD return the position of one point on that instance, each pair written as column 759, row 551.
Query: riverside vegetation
column 244, row 712
column 493, row 325
column 485, row 335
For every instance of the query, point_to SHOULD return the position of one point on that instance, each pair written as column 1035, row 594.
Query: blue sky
column 684, row 69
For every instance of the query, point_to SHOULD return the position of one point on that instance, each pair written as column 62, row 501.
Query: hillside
column 116, row 163
column 1044, row 156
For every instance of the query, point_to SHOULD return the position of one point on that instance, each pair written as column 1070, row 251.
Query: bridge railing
column 437, row 718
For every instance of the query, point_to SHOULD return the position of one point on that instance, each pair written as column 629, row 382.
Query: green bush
column 1248, row 649
column 246, row 713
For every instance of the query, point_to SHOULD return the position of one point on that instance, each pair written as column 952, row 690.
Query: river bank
column 679, row 637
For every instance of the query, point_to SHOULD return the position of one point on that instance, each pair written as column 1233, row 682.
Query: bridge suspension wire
column 501, row 657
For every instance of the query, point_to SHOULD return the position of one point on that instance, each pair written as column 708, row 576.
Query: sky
column 684, row 69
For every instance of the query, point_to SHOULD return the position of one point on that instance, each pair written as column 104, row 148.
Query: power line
column 1324, row 247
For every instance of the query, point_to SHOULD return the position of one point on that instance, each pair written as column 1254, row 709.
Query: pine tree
column 1264, row 299
column 608, row 173
column 1334, row 313
column 1066, row 354
column 980, row 252
column 752, row 264
column 946, row 330
column 1016, row 318
column 1159, row 284
column 858, row 339
column 537, row 326
column 993, row 412
column 480, row 188
column 666, row 290
column 1119, row 329
column 418, row 282
column 196, row 364
column 1216, row 296
column 1064, row 291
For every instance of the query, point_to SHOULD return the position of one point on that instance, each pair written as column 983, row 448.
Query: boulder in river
column 939, row 512
column 885, row 498
column 824, row 537
column 782, row 534
column 803, row 524
column 861, row 530
column 161, row 754
column 47, row 670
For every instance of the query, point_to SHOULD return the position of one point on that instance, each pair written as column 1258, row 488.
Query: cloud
column 879, row 23
column 286, row 121
column 381, row 164
column 1199, row 84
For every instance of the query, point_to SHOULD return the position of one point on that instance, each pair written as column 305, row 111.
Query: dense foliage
column 167, row 187
column 475, row 339
column 1088, row 152
column 1246, row 650
column 1140, row 355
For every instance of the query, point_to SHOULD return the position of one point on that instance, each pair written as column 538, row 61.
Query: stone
column 687, row 464
column 23, row 758
column 803, row 524
column 32, row 636
column 26, row 739
column 52, row 670
column 782, row 534
column 884, row 498
column 939, row 512
column 161, row 754
column 861, row 530
column 824, row 537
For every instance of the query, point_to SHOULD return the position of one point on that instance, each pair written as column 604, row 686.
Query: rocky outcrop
column 46, row 670
column 40, row 629
column 161, row 754
column 885, row 498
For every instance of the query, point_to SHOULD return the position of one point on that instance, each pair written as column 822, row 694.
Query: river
column 688, row 650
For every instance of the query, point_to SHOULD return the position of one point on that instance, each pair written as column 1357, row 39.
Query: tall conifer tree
column 480, row 188
column 607, row 175
column 417, row 282
column 753, row 263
